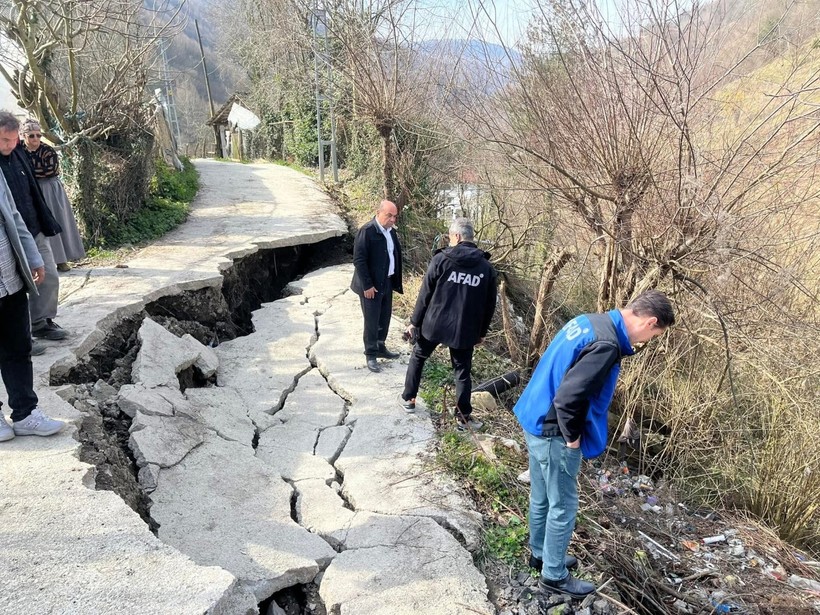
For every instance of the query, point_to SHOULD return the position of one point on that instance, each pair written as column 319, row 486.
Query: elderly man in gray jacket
column 21, row 269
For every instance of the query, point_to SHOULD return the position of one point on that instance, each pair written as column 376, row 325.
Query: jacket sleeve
column 428, row 287
column 583, row 380
column 489, row 306
column 35, row 261
column 360, row 258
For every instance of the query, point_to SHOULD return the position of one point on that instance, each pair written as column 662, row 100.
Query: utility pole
column 208, row 89
column 170, row 97
column 322, row 64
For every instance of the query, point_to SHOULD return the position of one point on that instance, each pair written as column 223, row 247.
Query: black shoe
column 409, row 405
column 372, row 365
column 384, row 353
column 50, row 331
column 569, row 585
column 570, row 561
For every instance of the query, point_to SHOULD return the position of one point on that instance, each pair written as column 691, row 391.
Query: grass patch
column 168, row 204
column 507, row 543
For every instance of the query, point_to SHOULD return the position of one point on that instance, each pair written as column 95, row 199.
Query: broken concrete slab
column 164, row 440
column 248, row 529
column 288, row 449
column 163, row 355
column 206, row 360
column 222, row 410
column 404, row 580
column 69, row 548
column 264, row 367
column 134, row 398
column 320, row 509
column 331, row 442
column 312, row 403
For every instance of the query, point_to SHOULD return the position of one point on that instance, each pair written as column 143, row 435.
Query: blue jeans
column 553, row 501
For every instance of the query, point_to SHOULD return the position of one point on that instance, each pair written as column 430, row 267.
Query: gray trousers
column 44, row 305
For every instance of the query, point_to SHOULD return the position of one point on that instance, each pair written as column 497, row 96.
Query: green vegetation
column 169, row 198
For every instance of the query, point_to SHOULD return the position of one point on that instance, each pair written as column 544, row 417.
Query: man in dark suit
column 377, row 259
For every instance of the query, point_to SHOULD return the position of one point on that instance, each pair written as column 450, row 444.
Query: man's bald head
column 387, row 213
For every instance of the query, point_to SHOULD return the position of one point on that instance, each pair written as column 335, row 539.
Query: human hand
column 410, row 334
column 576, row 444
column 370, row 292
column 39, row 274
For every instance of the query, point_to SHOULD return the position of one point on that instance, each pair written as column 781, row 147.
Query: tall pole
column 321, row 55
column 208, row 89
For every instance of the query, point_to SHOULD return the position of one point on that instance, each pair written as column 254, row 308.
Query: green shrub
column 169, row 199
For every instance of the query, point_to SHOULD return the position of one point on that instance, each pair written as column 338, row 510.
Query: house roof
column 221, row 116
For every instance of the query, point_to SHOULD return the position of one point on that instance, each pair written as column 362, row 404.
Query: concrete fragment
column 404, row 580
column 331, row 442
column 134, row 398
column 161, row 357
column 288, row 449
column 222, row 410
column 163, row 440
column 320, row 510
column 148, row 477
column 264, row 367
column 247, row 529
column 206, row 360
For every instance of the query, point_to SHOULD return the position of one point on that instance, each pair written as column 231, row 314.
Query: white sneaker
column 37, row 424
column 6, row 432
column 524, row 477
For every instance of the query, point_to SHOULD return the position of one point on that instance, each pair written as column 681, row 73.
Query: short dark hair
column 654, row 303
column 8, row 121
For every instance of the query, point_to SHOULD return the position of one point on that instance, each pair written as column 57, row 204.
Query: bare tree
column 624, row 124
column 81, row 67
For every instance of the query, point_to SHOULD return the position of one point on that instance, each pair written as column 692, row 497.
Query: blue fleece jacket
column 572, row 387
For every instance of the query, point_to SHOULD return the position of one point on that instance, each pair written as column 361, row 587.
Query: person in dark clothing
column 377, row 275
column 563, row 412
column 454, row 308
column 30, row 202
column 21, row 270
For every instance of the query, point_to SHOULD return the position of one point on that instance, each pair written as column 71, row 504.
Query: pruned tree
column 623, row 120
column 81, row 68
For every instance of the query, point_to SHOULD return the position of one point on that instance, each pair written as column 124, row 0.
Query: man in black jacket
column 454, row 308
column 377, row 259
column 29, row 201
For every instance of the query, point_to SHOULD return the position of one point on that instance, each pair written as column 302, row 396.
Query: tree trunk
column 538, row 335
column 385, row 129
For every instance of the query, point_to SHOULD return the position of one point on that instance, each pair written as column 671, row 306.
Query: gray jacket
column 22, row 243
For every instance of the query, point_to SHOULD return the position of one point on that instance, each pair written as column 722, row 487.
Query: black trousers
column 377, row 312
column 460, row 358
column 15, row 354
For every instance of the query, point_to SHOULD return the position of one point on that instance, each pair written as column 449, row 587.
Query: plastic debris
column 710, row 540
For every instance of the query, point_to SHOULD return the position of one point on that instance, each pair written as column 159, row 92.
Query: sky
column 494, row 21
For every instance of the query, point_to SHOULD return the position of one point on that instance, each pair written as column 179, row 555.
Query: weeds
column 169, row 199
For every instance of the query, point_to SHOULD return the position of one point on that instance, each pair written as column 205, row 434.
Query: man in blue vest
column 563, row 411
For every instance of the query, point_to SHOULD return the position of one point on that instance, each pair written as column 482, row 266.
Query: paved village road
column 293, row 466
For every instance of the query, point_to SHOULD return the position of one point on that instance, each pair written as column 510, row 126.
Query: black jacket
column 48, row 224
column 457, row 298
column 372, row 262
